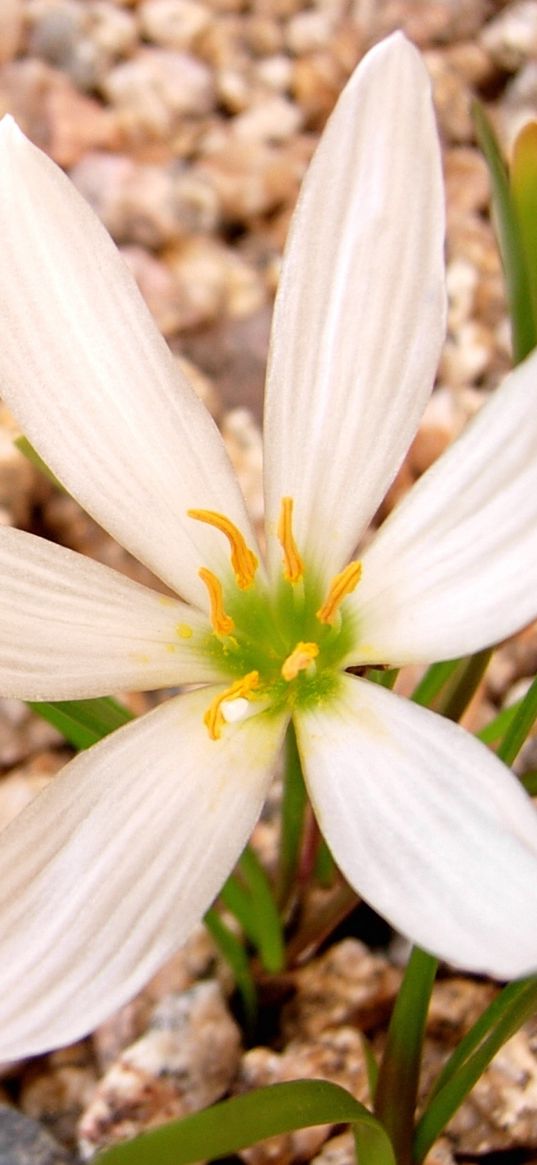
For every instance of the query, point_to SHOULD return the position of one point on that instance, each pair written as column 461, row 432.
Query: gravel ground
column 188, row 125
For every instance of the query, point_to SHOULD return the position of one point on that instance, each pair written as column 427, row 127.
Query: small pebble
column 24, row 1142
column 185, row 1062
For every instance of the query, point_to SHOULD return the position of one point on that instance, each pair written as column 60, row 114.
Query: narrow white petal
column 428, row 826
column 359, row 317
column 92, row 383
column 454, row 569
column 105, row 874
column 71, row 628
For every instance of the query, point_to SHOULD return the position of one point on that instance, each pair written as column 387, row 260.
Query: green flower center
column 282, row 648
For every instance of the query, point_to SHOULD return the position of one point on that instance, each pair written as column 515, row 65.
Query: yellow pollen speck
column 221, row 622
column 243, row 688
column 184, row 631
column 293, row 567
column 243, row 560
column 299, row 660
column 342, row 585
column 170, row 648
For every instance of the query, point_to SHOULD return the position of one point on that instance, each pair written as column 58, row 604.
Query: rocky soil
column 188, row 125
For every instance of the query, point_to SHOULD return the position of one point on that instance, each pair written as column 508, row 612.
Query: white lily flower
column 107, row 871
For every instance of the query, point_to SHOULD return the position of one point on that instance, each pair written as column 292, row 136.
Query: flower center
column 282, row 646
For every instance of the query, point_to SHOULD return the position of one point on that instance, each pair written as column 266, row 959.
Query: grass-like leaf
column 83, row 722
column 244, row 1120
column 511, row 244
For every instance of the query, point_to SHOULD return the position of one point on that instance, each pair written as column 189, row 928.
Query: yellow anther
column 243, row 560
column 214, row 718
column 299, row 660
column 293, row 567
column 342, row 585
column 221, row 622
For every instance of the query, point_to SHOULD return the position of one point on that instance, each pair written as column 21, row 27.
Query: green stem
column 435, row 678
column 292, row 819
column 464, row 685
column 520, row 726
column 397, row 1086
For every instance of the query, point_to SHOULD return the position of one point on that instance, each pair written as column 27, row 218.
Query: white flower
column 104, row 875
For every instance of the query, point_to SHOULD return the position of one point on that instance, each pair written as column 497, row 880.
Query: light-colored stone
column 467, row 181
column 196, row 960
column 263, row 35
column 452, row 98
column 253, row 182
column 472, row 62
column 165, row 297
column 83, row 40
column 518, row 106
column 185, row 1061
column 425, row 22
column 467, row 355
column 446, row 415
column 173, row 24
column 22, row 784
column 47, row 106
column 135, row 202
column 215, row 280
column 336, row 1055
column 308, row 31
column 275, row 72
column 243, row 440
column 347, row 985
column 501, row 1111
column 511, row 37
column 456, row 1005
column 317, row 83
column 151, row 205
column 340, row 1150
column 157, row 88
column 275, row 119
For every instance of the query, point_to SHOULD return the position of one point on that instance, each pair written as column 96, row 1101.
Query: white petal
column 92, row 383
column 428, row 826
column 359, row 317
column 71, row 628
column 454, row 569
column 107, row 871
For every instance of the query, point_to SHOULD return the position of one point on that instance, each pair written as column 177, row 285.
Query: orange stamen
column 293, row 567
column 299, row 660
column 221, row 622
column 214, row 718
column 243, row 560
column 342, row 585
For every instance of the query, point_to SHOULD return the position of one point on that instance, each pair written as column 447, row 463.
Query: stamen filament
column 342, row 585
column 222, row 624
column 243, row 560
column 300, row 659
column 293, row 567
column 214, row 718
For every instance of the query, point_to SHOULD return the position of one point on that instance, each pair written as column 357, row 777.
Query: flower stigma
column 283, row 645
